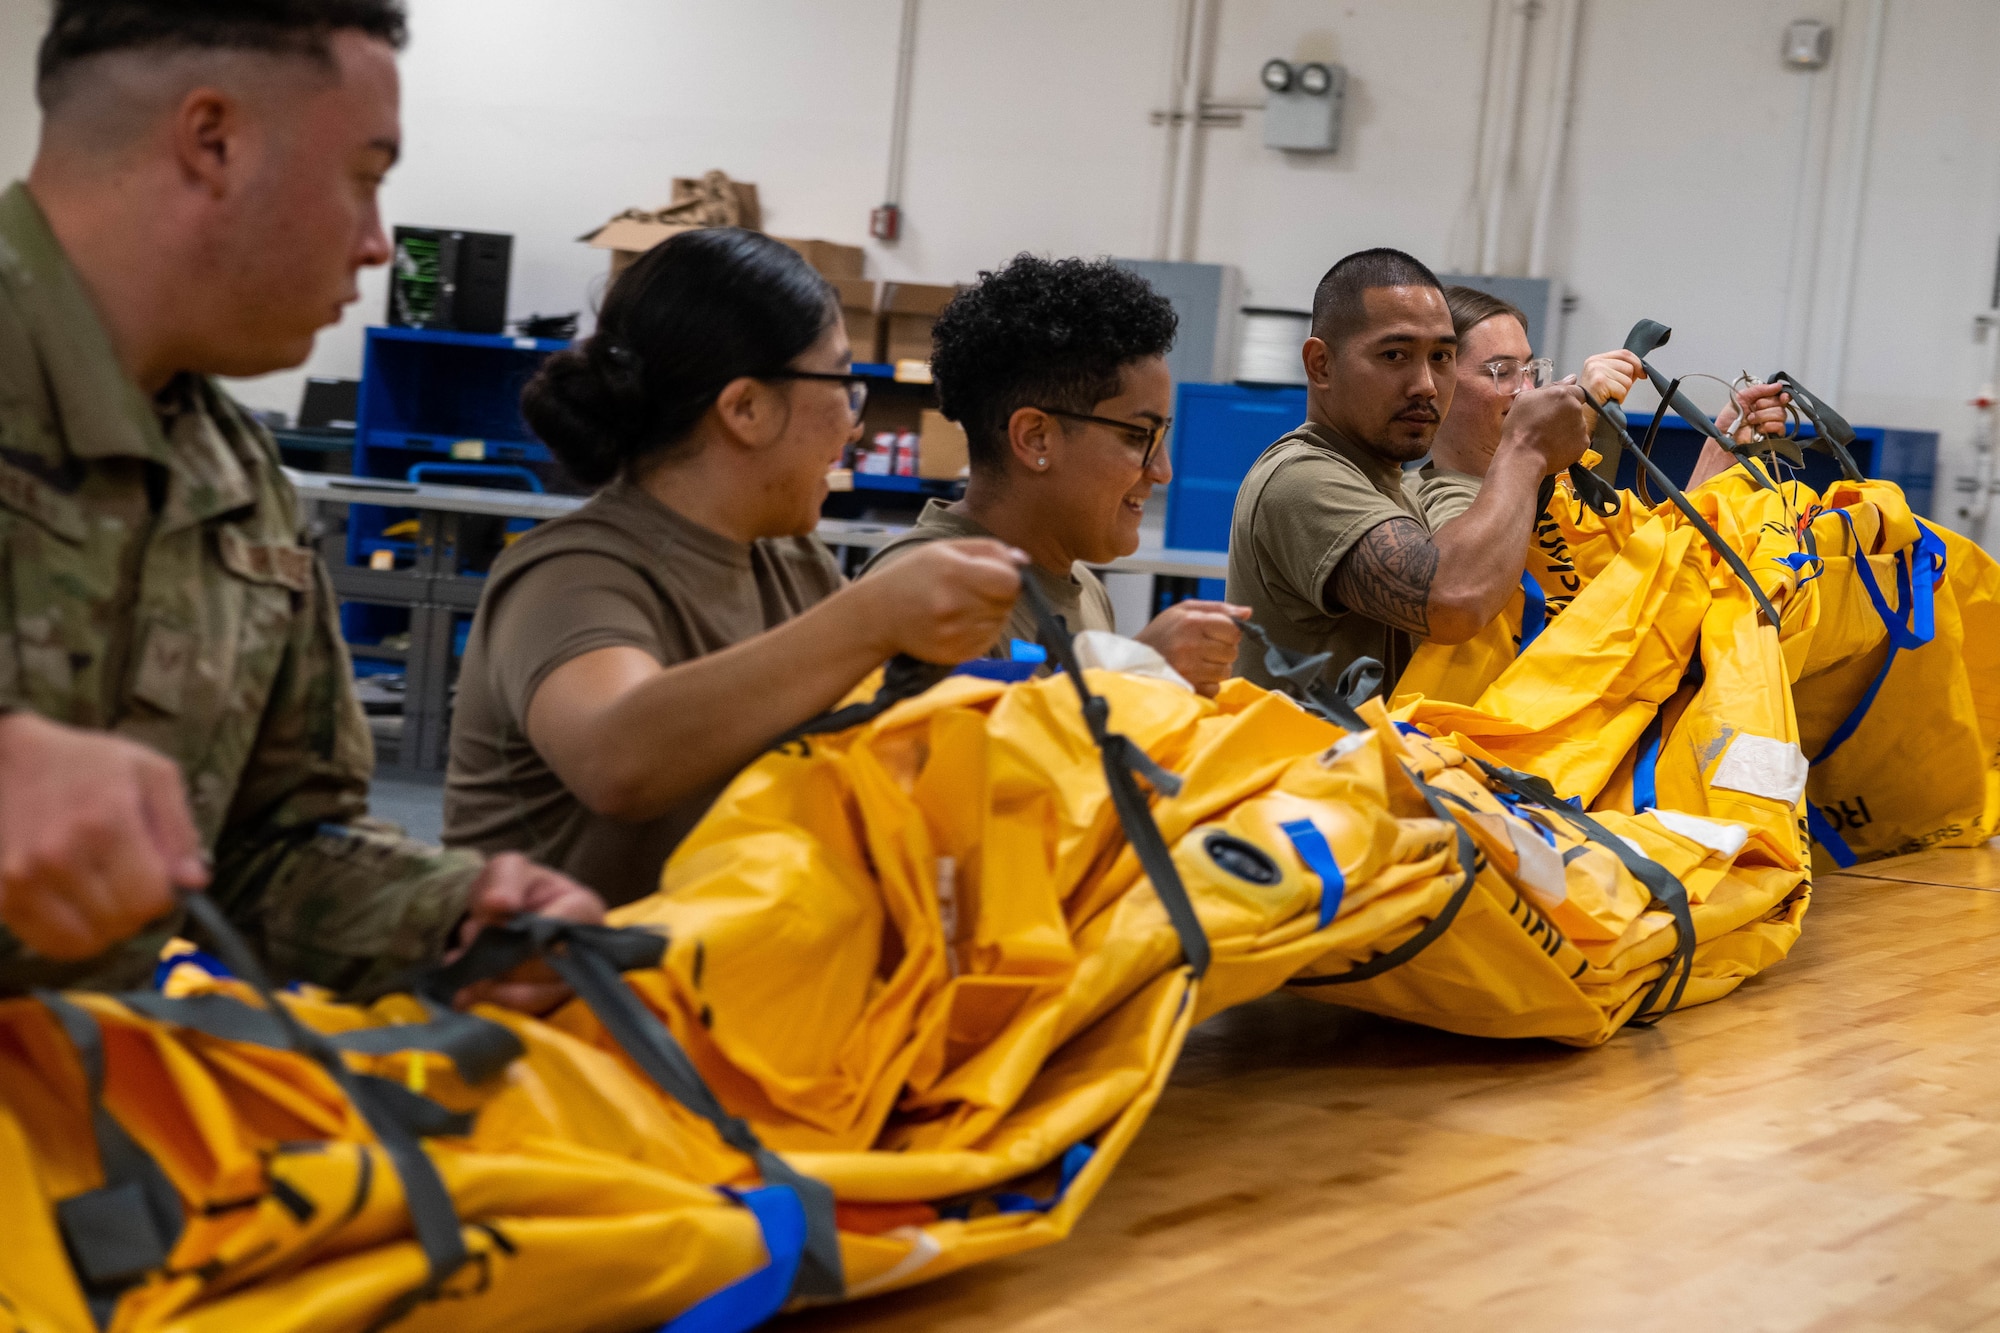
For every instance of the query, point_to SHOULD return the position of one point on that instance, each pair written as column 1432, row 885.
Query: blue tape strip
column 1534, row 609
column 1828, row 837
column 1311, row 846
column 749, row 1301
column 1073, row 1161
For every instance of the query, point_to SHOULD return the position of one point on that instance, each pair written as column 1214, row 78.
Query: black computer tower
column 454, row 280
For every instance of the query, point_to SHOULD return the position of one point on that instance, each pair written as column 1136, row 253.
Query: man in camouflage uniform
column 202, row 198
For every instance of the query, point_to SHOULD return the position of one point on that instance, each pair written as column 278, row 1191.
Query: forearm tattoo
column 1388, row 575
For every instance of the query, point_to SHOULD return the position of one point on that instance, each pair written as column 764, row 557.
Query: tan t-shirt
column 1079, row 599
column 1308, row 499
column 624, row 570
column 1446, row 494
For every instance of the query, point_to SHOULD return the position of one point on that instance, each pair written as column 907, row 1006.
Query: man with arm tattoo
column 1329, row 544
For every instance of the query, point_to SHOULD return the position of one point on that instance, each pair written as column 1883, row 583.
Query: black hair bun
column 588, row 404
column 691, row 314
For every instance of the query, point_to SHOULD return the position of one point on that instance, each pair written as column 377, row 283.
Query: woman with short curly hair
column 1057, row 371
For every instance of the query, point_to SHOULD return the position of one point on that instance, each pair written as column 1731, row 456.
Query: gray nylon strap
column 591, row 959
column 1124, row 763
column 432, row 1216
column 123, row 1230
column 478, row 1048
column 1667, row 891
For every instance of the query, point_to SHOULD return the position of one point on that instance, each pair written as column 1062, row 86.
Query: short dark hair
column 1471, row 307
column 79, row 29
column 696, row 311
column 1337, row 310
column 1042, row 333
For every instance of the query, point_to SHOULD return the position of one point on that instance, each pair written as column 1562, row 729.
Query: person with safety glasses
column 1495, row 364
column 1329, row 544
column 1057, row 371
column 629, row 658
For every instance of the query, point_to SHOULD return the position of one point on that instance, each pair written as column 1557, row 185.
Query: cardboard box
column 860, row 308
column 832, row 259
column 712, row 200
column 941, row 448
column 908, row 311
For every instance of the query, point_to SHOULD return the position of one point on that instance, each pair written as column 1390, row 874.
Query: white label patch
column 1345, row 746
column 1725, row 839
column 1541, row 864
column 1761, row 766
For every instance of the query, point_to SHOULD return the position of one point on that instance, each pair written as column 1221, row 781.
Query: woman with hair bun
column 628, row 659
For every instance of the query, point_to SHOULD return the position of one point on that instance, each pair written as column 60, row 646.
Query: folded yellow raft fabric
column 1899, row 699
column 923, row 959
column 172, row 1164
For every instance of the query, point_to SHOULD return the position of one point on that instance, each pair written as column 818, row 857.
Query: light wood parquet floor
column 1819, row 1151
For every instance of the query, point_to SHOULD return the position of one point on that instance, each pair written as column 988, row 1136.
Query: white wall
column 1706, row 185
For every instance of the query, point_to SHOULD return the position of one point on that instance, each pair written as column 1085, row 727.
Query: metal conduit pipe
column 1194, row 96
column 1514, row 74
column 1560, row 97
column 1853, row 198
column 1178, row 127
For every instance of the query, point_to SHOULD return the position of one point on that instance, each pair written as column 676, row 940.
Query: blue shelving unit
column 432, row 396
column 1219, row 430
column 918, row 487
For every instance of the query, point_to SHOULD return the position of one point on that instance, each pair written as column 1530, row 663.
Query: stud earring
column 1041, row 462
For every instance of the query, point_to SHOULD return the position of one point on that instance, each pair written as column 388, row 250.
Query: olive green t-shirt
column 1308, row 499
column 1445, row 494
column 625, row 570
column 1079, row 599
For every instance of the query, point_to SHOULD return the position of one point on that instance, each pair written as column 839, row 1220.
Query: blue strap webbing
column 1916, row 627
column 1534, row 609
column 749, row 1301
column 1645, row 769
column 1826, row 836
column 1311, row 846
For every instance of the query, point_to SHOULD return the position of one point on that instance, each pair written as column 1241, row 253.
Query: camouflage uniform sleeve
column 326, row 894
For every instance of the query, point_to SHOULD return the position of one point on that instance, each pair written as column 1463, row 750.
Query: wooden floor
column 1819, row 1151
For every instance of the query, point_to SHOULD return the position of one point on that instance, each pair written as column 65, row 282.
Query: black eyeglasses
column 857, row 386
column 1148, row 437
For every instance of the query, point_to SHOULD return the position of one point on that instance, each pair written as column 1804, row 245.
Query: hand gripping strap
column 1686, row 506
column 1667, row 891
column 1834, row 436
column 1124, row 764
column 590, row 959
column 1648, row 335
column 904, row 678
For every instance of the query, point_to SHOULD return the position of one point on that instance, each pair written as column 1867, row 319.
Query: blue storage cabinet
column 1219, row 431
column 1906, row 457
column 430, row 396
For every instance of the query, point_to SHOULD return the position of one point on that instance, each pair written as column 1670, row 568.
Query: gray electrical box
column 1305, row 117
column 1206, row 297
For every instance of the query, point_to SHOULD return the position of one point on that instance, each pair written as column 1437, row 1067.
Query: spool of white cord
column 1270, row 348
